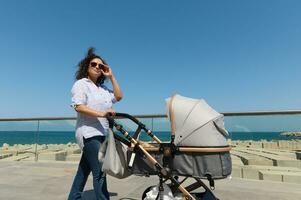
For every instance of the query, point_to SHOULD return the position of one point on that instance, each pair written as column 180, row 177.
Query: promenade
column 261, row 170
column 49, row 181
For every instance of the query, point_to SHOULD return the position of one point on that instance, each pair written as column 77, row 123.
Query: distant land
column 295, row 134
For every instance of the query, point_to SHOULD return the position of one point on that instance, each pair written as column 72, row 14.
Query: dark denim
column 89, row 162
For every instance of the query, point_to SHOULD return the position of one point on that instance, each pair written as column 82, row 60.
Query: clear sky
column 238, row 55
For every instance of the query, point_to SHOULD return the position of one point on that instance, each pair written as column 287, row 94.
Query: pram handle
column 136, row 121
column 160, row 169
column 128, row 116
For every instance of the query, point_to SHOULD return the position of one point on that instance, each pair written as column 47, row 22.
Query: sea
column 64, row 137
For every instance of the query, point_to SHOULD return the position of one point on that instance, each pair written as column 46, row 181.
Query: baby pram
column 197, row 148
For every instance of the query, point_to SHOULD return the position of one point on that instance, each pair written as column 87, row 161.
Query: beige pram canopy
column 195, row 123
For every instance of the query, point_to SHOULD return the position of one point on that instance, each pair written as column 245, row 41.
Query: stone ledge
column 288, row 177
column 59, row 155
column 270, row 175
column 74, row 157
column 2, row 156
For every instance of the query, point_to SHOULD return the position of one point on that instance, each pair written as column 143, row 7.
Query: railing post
column 37, row 140
column 152, row 124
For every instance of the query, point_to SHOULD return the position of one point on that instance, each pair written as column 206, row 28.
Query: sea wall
column 294, row 145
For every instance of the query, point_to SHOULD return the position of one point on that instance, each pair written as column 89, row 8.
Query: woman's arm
column 116, row 88
column 93, row 113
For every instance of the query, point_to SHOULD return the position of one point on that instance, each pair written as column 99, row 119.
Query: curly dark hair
column 83, row 66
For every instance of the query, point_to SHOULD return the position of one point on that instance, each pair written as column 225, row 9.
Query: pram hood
column 195, row 123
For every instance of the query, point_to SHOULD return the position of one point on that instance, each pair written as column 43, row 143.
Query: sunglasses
column 100, row 66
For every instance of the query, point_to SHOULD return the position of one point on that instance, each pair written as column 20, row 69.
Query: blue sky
column 237, row 55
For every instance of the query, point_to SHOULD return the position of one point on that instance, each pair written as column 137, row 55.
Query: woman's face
column 94, row 69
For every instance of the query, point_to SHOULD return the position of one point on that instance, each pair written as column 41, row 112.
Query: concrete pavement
column 29, row 180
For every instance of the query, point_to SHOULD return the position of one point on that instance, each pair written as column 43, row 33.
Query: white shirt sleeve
column 78, row 94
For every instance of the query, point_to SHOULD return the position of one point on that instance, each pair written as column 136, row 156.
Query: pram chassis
column 168, row 149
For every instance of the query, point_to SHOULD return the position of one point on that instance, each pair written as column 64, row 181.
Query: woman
column 93, row 102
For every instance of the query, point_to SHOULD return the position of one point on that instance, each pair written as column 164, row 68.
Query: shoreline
column 255, row 143
column 289, row 138
column 64, row 137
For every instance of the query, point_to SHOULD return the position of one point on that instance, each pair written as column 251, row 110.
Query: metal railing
column 246, row 113
column 152, row 117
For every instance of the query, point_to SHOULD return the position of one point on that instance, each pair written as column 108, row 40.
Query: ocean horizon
column 64, row 137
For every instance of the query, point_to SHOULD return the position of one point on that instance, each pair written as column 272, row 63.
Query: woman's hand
column 110, row 112
column 107, row 72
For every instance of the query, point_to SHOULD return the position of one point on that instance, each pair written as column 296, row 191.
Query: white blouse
column 99, row 98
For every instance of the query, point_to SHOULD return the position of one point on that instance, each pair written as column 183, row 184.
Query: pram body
column 191, row 164
column 198, row 147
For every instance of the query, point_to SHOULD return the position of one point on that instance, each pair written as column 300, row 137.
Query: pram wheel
column 206, row 195
column 146, row 191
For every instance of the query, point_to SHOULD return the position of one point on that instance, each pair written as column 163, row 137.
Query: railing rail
column 284, row 112
column 247, row 113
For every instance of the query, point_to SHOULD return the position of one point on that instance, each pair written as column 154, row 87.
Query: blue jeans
column 89, row 162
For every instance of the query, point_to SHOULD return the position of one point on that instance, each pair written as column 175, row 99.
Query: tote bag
column 112, row 155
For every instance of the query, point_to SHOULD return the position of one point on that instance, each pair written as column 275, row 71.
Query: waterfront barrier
column 278, row 160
